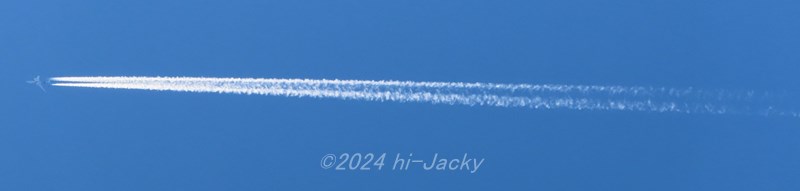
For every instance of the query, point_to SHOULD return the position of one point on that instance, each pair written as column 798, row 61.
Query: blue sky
column 93, row 139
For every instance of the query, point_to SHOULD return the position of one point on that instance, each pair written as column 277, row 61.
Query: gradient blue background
column 95, row 139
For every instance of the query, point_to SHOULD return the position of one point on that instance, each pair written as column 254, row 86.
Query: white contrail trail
column 487, row 94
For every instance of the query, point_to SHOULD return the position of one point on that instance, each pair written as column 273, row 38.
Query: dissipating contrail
column 537, row 96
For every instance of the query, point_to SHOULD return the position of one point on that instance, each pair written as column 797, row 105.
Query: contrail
column 542, row 96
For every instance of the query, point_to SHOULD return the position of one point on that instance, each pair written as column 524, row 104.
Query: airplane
column 37, row 82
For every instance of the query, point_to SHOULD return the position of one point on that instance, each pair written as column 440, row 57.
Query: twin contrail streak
column 578, row 97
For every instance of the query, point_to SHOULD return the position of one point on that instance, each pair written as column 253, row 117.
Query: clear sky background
column 97, row 139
